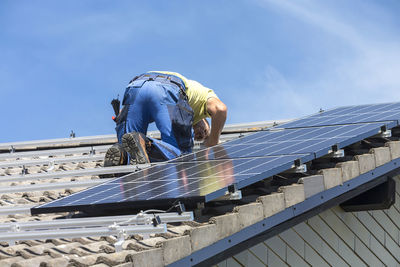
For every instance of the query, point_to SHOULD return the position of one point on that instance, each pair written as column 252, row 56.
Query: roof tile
column 249, row 214
column 114, row 258
column 57, row 262
column 202, row 236
column 86, row 261
column 175, row 248
column 33, row 262
column 227, row 224
column 146, row 258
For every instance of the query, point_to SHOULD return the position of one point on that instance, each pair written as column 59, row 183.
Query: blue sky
column 61, row 62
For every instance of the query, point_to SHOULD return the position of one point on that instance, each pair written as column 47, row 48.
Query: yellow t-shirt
column 197, row 96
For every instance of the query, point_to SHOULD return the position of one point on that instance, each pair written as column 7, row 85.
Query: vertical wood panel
column 261, row 252
column 313, row 257
column 320, row 246
column 376, row 247
column 340, row 229
column 293, row 259
column 274, row 260
column 333, row 237
column 292, row 239
column 278, row 246
column 364, row 252
column 383, row 220
column 322, row 229
column 387, row 243
column 246, row 258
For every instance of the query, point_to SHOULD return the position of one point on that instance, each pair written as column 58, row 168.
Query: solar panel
column 205, row 175
column 362, row 109
column 349, row 115
column 198, row 180
column 318, row 140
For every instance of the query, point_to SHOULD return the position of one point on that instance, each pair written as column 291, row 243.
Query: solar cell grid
column 172, row 181
column 309, row 133
column 362, row 109
column 349, row 115
column 205, row 175
column 318, row 140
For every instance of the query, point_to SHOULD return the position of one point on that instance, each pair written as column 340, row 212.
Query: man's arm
column 218, row 112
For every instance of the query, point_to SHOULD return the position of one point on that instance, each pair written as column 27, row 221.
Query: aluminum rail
column 51, row 186
column 55, row 152
column 20, row 209
column 75, row 150
column 74, row 173
column 140, row 219
column 11, row 237
column 111, row 138
column 86, row 140
column 59, row 142
column 50, row 161
column 90, row 157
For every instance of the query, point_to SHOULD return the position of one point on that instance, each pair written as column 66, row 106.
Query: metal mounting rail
column 86, row 140
column 111, row 138
column 116, row 230
column 77, row 150
column 74, row 173
column 50, row 161
column 50, row 186
column 140, row 219
column 54, row 152
column 13, row 209
column 121, row 226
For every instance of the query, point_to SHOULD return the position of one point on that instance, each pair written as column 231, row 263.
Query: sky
column 62, row 62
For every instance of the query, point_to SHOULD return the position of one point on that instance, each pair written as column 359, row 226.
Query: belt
column 163, row 78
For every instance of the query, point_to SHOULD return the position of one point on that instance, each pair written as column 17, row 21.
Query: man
column 176, row 105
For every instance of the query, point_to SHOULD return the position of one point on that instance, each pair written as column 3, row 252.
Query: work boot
column 115, row 156
column 135, row 144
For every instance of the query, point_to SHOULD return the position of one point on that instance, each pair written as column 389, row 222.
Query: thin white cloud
column 367, row 74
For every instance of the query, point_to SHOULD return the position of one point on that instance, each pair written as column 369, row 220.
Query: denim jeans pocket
column 182, row 120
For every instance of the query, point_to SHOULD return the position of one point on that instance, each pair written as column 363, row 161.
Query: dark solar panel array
column 206, row 175
column 350, row 115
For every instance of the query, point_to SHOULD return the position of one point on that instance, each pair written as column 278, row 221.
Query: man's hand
column 218, row 112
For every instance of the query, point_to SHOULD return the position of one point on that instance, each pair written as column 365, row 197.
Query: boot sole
column 132, row 143
column 112, row 157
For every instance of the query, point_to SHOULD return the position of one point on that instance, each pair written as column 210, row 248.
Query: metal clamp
column 335, row 152
column 385, row 133
column 231, row 194
column 297, row 167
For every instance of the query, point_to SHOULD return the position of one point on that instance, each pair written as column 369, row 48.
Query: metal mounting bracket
column 24, row 170
column 92, row 151
column 232, row 194
column 51, row 165
column 297, row 167
column 120, row 237
column 335, row 152
column 385, row 133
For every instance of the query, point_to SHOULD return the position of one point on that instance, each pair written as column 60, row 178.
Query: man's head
column 201, row 130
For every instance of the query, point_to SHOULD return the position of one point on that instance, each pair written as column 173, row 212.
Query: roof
column 56, row 168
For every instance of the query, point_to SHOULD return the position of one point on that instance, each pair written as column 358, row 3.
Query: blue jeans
column 147, row 101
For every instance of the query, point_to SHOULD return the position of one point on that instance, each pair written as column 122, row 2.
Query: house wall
column 332, row 238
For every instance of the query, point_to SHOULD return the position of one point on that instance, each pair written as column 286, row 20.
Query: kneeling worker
column 175, row 104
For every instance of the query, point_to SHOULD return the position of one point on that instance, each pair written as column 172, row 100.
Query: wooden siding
column 332, row 238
